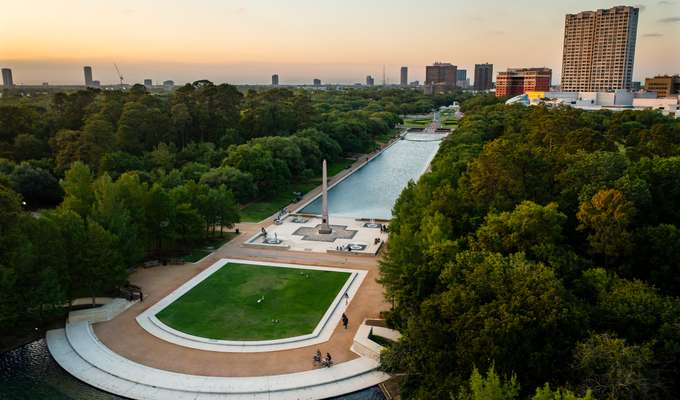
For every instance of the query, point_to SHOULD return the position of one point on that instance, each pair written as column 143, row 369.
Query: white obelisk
column 325, row 227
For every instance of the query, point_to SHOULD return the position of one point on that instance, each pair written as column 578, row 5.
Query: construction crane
column 120, row 77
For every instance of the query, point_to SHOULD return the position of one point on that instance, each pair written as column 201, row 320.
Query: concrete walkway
column 77, row 349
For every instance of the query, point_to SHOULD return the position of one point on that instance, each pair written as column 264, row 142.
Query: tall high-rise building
column 664, row 86
column 148, row 83
column 404, row 76
column 168, row 85
column 517, row 81
column 317, row 82
column 369, row 80
column 483, row 76
column 440, row 77
column 88, row 76
column 7, row 81
column 275, row 80
column 599, row 50
column 444, row 73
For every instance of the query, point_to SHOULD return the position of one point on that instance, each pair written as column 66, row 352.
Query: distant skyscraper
column 148, row 83
column 7, row 81
column 317, row 82
column 599, row 50
column 517, row 81
column 168, row 85
column 404, row 76
column 88, row 76
column 461, row 78
column 483, row 76
column 440, row 77
column 369, row 80
column 96, row 84
column 461, row 74
column 275, row 80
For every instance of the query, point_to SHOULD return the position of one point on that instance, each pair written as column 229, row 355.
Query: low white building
column 616, row 101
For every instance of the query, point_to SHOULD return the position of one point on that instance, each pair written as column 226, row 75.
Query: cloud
column 642, row 7
column 669, row 20
column 128, row 11
column 496, row 32
column 654, row 34
column 665, row 3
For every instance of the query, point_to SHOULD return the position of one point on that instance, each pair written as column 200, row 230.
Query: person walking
column 345, row 320
column 329, row 360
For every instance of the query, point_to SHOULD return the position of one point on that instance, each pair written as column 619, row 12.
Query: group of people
column 383, row 228
column 324, row 362
column 343, row 248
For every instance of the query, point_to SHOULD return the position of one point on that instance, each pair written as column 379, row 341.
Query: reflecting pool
column 370, row 192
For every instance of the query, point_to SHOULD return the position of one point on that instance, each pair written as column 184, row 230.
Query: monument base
column 325, row 229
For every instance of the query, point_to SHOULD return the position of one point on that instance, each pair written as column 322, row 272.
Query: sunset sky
column 336, row 41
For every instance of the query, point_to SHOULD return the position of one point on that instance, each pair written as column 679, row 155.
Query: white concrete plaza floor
column 292, row 237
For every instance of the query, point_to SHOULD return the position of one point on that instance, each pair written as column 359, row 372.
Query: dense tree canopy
column 541, row 246
column 94, row 182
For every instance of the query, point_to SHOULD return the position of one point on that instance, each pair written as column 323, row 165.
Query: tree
column 111, row 211
column 141, row 127
column 29, row 147
column 606, row 217
column 269, row 173
column 188, row 224
column 657, row 257
column 37, row 186
column 611, row 369
column 546, row 393
column 103, row 266
column 160, row 214
column 490, row 387
column 527, row 228
column 73, row 236
column 77, row 185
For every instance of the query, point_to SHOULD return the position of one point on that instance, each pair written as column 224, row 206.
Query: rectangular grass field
column 225, row 304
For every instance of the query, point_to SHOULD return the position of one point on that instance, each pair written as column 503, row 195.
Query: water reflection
column 371, row 191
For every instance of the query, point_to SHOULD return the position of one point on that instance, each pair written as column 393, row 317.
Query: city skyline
column 295, row 43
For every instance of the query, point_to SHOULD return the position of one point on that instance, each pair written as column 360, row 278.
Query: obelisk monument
column 325, row 228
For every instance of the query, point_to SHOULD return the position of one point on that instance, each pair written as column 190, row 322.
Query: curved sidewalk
column 78, row 351
column 322, row 332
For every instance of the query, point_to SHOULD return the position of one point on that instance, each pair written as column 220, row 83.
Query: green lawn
column 224, row 305
column 449, row 123
column 204, row 248
column 417, row 123
column 259, row 210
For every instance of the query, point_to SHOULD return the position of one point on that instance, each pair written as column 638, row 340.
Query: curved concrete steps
column 79, row 351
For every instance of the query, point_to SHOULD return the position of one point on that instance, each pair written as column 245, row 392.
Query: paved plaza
column 300, row 233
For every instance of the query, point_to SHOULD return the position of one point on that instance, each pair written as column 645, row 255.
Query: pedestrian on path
column 346, row 298
column 345, row 320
